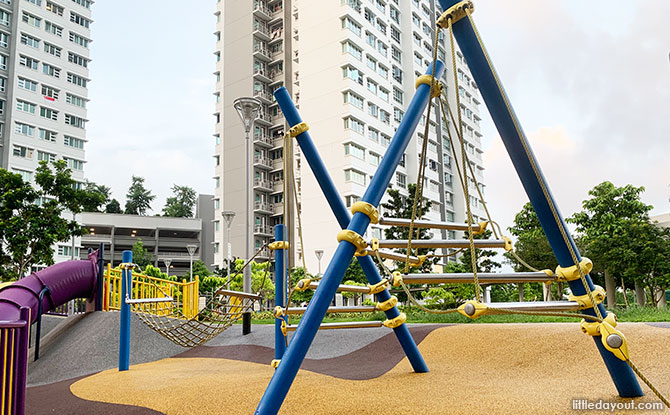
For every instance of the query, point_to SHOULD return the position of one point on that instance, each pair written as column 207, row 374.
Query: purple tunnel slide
column 18, row 310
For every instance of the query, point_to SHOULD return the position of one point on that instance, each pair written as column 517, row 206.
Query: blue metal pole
column 280, row 291
column 309, row 325
column 311, row 154
column 533, row 181
column 124, row 334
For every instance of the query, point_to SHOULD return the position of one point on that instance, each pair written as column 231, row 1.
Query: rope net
column 167, row 318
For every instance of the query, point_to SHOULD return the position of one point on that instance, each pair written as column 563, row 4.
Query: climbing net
column 167, row 315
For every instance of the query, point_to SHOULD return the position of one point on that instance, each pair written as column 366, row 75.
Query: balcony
column 263, row 139
column 278, row 186
column 261, row 32
column 260, row 161
column 263, row 184
column 261, row 52
column 264, row 254
column 264, row 96
column 263, row 207
column 263, row 230
column 261, row 74
column 264, row 117
column 278, row 209
column 262, row 11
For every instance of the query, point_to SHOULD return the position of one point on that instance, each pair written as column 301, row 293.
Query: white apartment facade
column 354, row 63
column 44, row 71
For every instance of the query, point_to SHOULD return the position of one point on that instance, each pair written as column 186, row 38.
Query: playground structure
column 586, row 298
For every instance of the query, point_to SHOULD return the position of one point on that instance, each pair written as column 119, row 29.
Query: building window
column 25, row 106
column 372, row 86
column 354, row 124
column 371, row 39
column 74, row 163
column 373, row 109
column 383, row 71
column 401, row 180
column 351, row 175
column 80, row 20
column 382, row 48
column 28, row 62
column 54, row 8
column 35, row 2
column 52, row 49
column 75, row 100
column 4, row 39
column 79, row 40
column 395, row 34
column 77, row 80
column 353, row 50
column 44, row 156
column 50, row 70
column 397, row 74
column 31, row 19
column 25, row 175
column 373, row 135
column 73, row 142
column 30, row 41
column 23, row 152
column 351, row 199
column 397, row 95
column 385, row 140
column 352, row 26
column 397, row 114
column 395, row 14
column 47, row 135
column 374, row 159
column 65, row 250
column 50, row 93
column 48, row 113
column 353, row 99
column 53, row 29
column 351, row 149
column 84, row 3
column 5, row 17
column 77, row 59
column 352, row 73
column 384, row 116
column 75, row 121
column 3, row 83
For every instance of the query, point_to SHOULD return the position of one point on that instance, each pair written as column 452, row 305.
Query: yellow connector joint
column 278, row 312
column 397, row 279
column 592, row 328
column 395, row 322
column 584, row 301
column 572, row 273
column 298, row 129
column 473, row 309
column 278, row 245
column 388, row 304
column 455, row 13
column 614, row 341
column 482, row 228
column 379, row 287
column 303, row 284
column 275, row 363
column 367, row 209
column 353, row 238
column 429, row 80
column 284, row 329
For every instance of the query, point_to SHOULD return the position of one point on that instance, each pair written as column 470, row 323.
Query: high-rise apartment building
column 44, row 59
column 350, row 66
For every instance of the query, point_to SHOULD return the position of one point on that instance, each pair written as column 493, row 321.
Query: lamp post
column 228, row 216
column 319, row 254
column 248, row 109
column 167, row 262
column 191, row 250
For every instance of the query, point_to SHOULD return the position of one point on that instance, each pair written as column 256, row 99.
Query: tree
column 31, row 219
column 181, row 203
column 113, row 207
column 138, row 198
column 610, row 226
column 141, row 256
column 99, row 196
column 355, row 272
column 400, row 206
column 295, row 275
column 483, row 257
column 260, row 279
column 531, row 243
column 199, row 269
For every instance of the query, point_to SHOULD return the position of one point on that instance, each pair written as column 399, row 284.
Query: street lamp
column 167, row 262
column 248, row 109
column 319, row 254
column 228, row 216
column 191, row 250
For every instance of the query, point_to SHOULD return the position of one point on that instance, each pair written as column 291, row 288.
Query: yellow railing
column 185, row 294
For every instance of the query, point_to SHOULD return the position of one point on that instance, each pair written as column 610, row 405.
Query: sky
column 589, row 82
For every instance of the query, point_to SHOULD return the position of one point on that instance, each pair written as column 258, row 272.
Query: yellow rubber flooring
column 475, row 369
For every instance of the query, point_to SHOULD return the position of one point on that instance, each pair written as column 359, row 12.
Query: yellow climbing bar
column 584, row 301
column 428, row 80
column 572, row 273
column 455, row 13
column 388, row 304
column 279, row 245
column 592, row 328
column 473, row 309
column 395, row 322
column 367, row 209
column 298, row 129
column 353, row 238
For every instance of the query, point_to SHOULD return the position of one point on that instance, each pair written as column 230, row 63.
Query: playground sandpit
column 475, row 369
